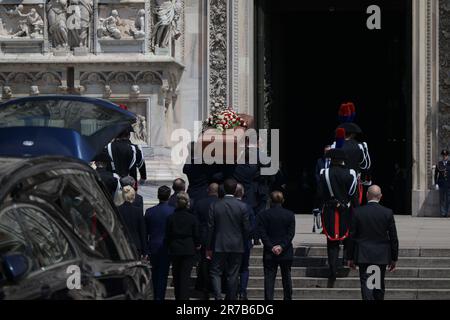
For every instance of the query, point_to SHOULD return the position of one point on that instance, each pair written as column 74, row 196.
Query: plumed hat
column 350, row 128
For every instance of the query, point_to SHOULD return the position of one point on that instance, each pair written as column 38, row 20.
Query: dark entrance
column 320, row 54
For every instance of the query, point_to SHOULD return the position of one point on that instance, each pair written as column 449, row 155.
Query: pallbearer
column 337, row 188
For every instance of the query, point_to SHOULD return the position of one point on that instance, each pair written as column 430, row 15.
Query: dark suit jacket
column 173, row 200
column 198, row 177
column 228, row 226
column 276, row 226
column 373, row 235
column 442, row 176
column 134, row 222
column 182, row 233
column 108, row 180
column 155, row 222
column 139, row 203
column 246, row 174
column 201, row 211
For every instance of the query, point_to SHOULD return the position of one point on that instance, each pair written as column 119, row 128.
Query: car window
column 85, row 117
column 12, row 238
column 83, row 217
column 48, row 241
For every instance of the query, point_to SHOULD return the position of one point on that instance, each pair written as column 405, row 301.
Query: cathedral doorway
column 311, row 56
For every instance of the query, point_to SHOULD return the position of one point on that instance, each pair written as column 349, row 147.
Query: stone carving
column 34, row 91
column 109, row 27
column 7, row 93
column 135, row 91
column 167, row 14
column 444, row 90
column 218, row 55
column 57, row 23
column 78, row 22
column 138, row 32
column 20, row 24
column 140, row 130
column 107, row 92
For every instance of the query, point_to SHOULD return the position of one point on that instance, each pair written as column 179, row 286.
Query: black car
column 61, row 236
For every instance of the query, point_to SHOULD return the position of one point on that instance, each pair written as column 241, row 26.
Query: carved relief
column 21, row 21
column 121, row 22
column 167, row 15
column 69, row 22
column 444, row 57
column 218, row 54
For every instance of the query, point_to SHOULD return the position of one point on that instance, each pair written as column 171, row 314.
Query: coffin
column 221, row 143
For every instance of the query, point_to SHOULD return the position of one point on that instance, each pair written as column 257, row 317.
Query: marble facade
column 175, row 61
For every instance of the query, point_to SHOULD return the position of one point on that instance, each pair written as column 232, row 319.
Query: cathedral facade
column 174, row 61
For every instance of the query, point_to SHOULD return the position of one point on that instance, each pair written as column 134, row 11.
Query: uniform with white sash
column 126, row 159
column 336, row 189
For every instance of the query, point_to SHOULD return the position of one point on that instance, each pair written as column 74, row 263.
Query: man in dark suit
column 276, row 227
column 138, row 200
column 442, row 180
column 228, row 229
column 156, row 220
column 201, row 211
column 178, row 185
column 373, row 244
column 244, row 272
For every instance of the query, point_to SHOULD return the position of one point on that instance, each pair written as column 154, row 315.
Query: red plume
column 340, row 133
column 340, row 137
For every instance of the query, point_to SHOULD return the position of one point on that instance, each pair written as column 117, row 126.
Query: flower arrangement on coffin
column 217, row 127
column 224, row 120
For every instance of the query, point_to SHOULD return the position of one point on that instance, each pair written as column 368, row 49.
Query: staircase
column 422, row 274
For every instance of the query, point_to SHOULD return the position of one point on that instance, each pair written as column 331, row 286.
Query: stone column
column 444, row 83
column 425, row 103
column 217, row 57
column 242, row 55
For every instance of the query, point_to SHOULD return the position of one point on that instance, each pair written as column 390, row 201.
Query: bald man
column 276, row 227
column 373, row 243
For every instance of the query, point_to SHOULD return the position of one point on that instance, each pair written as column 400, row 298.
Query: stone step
column 322, row 272
column 316, row 261
column 341, row 294
column 394, row 283
column 319, row 251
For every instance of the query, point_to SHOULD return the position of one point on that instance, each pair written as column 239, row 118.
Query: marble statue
column 57, row 22
column 34, row 91
column 78, row 22
column 139, row 24
column 107, row 92
column 110, row 26
column 7, row 92
column 167, row 15
column 135, row 91
column 140, row 130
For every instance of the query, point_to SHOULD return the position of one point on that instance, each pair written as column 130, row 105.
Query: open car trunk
column 71, row 126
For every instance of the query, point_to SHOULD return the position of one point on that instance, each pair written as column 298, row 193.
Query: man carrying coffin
column 337, row 186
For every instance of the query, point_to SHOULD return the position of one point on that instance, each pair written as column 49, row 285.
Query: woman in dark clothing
column 133, row 220
column 183, row 241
